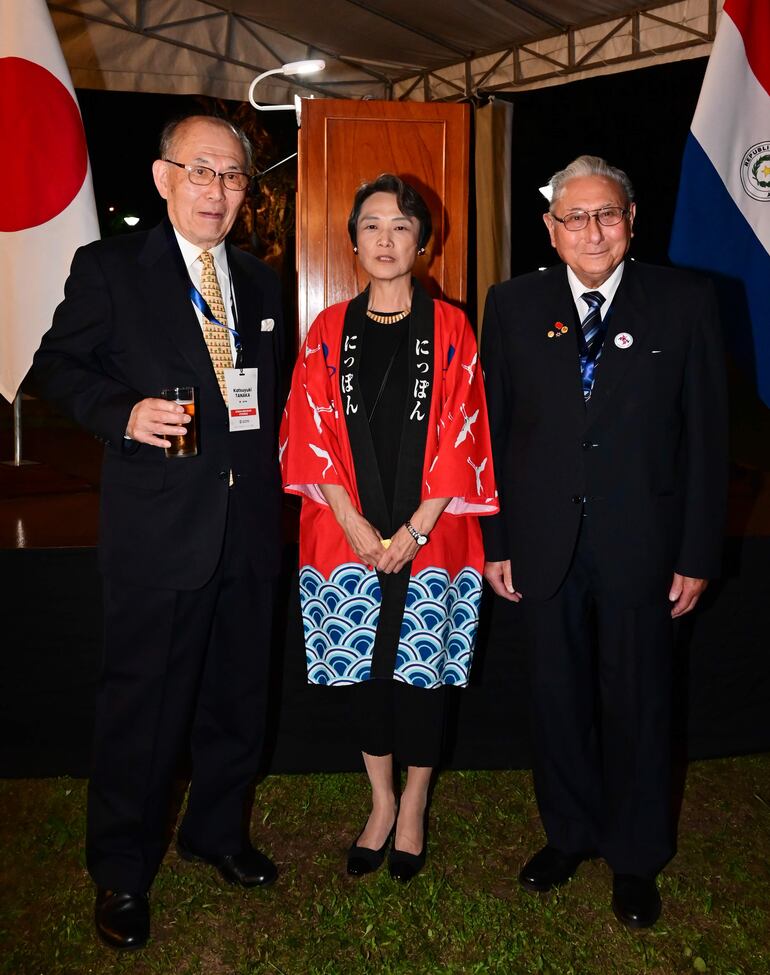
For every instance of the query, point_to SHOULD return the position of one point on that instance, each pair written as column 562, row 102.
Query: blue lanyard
column 203, row 307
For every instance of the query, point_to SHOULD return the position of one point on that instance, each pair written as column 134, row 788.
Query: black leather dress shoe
column 363, row 860
column 550, row 868
column 404, row 866
column 122, row 919
column 249, row 868
column 635, row 900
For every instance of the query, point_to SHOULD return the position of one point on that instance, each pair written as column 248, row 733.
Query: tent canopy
column 434, row 49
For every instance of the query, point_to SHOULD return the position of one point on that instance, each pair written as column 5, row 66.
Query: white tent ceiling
column 416, row 49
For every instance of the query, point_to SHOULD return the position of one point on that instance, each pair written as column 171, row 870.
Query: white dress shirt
column 607, row 289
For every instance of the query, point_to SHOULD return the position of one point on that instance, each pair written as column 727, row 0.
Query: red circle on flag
column 43, row 145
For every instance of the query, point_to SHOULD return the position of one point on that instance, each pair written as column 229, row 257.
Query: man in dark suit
column 190, row 546
column 606, row 392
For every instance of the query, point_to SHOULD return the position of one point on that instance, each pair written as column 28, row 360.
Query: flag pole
column 17, row 460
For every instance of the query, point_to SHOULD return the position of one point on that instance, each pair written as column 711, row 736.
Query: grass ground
column 464, row 914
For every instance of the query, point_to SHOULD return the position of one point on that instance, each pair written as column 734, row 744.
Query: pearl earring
column 355, row 250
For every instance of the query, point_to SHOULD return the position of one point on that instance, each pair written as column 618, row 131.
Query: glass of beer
column 185, row 445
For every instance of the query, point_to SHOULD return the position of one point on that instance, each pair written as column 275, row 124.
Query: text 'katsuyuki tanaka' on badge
column 242, row 405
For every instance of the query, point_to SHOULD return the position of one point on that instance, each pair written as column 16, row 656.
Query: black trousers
column 389, row 717
column 601, row 673
column 180, row 669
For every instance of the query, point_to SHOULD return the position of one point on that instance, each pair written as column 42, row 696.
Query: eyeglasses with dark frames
column 203, row 175
column 579, row 219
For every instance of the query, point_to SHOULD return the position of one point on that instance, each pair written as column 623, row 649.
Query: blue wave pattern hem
column 438, row 632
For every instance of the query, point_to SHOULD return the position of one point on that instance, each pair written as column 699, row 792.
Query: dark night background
column 638, row 120
column 122, row 131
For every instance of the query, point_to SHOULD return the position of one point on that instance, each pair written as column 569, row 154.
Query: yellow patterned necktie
column 217, row 338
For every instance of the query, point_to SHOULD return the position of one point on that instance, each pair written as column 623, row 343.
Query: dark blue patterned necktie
column 593, row 331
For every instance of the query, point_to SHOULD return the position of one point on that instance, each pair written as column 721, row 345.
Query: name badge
column 242, row 404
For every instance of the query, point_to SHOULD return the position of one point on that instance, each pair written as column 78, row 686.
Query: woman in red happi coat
column 385, row 436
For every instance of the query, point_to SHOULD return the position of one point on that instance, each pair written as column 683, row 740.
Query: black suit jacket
column 125, row 330
column 648, row 453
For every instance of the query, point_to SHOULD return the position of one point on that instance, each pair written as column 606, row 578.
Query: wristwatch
column 417, row 536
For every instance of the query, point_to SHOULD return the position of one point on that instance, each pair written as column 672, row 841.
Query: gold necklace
column 387, row 317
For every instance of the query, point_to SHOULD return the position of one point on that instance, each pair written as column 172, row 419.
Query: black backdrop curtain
column 51, row 617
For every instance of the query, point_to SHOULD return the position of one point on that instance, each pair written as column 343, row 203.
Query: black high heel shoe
column 363, row 860
column 405, row 866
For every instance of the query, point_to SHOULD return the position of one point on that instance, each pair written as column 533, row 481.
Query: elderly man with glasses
column 606, row 393
column 189, row 545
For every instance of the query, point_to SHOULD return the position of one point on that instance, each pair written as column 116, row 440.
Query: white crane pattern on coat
column 471, row 367
column 468, row 422
column 317, row 410
column 324, row 455
column 430, row 471
column 478, row 471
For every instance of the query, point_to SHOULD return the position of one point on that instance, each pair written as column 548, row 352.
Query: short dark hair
column 410, row 203
column 171, row 129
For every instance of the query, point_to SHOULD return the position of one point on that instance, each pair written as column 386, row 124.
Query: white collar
column 607, row 289
column 191, row 253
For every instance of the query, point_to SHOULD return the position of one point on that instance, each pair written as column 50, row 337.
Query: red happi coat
column 347, row 607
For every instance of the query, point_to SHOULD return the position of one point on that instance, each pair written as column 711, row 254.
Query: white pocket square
column 268, row 324
column 656, row 351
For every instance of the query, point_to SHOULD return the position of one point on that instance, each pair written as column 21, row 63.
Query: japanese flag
column 47, row 204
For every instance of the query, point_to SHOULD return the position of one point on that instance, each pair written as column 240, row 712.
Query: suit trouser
column 180, row 668
column 601, row 670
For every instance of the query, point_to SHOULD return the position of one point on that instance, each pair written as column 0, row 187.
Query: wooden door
column 345, row 143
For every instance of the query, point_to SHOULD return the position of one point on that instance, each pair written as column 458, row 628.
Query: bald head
column 174, row 129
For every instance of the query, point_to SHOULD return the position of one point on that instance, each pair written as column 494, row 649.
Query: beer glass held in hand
column 185, row 445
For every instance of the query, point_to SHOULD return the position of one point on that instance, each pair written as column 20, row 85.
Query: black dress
column 383, row 378
column 390, row 717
